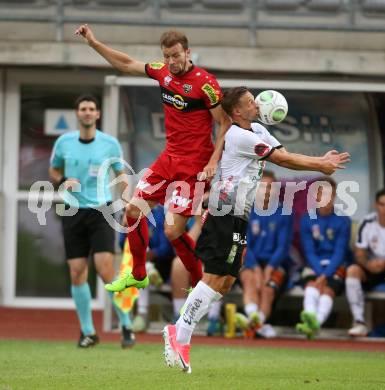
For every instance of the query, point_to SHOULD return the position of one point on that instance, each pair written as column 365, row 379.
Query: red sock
column 138, row 239
column 184, row 247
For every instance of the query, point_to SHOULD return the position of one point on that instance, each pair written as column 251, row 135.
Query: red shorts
column 173, row 181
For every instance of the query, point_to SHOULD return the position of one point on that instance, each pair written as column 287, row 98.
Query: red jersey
column 187, row 100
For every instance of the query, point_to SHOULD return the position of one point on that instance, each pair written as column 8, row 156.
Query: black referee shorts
column 221, row 244
column 87, row 232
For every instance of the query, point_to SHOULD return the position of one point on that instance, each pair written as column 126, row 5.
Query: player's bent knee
column 78, row 277
column 354, row 271
column 172, row 232
column 132, row 211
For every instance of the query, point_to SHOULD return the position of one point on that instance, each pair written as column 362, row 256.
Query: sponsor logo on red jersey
column 177, row 100
column 211, row 92
column 156, row 65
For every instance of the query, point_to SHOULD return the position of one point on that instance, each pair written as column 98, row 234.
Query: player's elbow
column 124, row 66
column 122, row 63
column 279, row 158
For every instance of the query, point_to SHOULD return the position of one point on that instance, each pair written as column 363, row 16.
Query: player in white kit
column 223, row 239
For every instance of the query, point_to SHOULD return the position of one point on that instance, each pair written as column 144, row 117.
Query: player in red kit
column 191, row 101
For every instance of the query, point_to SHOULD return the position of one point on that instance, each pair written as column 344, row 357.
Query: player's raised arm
column 327, row 164
column 224, row 122
column 117, row 59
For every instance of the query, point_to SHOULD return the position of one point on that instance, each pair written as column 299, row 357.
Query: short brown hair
column 87, row 98
column 173, row 37
column 231, row 98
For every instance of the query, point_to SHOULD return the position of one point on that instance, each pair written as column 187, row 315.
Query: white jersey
column 240, row 169
column 371, row 236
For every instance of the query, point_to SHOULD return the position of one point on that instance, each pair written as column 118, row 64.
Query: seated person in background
column 325, row 242
column 369, row 270
column 266, row 261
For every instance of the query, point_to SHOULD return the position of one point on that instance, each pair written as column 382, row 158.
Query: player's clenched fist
column 85, row 31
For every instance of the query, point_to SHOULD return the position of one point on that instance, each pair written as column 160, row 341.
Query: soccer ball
column 272, row 107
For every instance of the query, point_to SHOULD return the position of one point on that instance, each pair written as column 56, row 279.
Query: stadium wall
column 31, row 57
column 300, row 61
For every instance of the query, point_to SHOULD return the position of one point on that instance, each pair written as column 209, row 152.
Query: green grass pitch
column 61, row 365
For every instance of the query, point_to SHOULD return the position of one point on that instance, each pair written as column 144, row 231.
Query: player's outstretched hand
column 334, row 160
column 85, row 31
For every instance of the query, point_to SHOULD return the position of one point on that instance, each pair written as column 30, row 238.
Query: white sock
column 196, row 306
column 177, row 304
column 214, row 310
column 325, row 305
column 310, row 301
column 251, row 308
column 143, row 301
column 355, row 296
